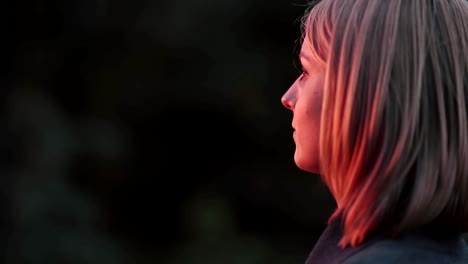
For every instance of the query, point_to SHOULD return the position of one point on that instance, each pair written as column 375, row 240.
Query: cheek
column 314, row 108
column 307, row 141
column 310, row 115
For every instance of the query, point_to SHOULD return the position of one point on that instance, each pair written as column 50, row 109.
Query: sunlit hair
column 394, row 131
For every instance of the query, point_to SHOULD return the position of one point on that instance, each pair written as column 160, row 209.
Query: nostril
column 286, row 103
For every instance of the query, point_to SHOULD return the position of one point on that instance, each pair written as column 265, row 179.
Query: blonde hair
column 394, row 131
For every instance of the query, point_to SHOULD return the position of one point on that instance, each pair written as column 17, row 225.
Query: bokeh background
column 152, row 132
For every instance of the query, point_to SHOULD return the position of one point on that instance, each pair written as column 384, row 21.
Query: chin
column 307, row 164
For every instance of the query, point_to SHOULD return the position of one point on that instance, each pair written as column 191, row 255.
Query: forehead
column 306, row 49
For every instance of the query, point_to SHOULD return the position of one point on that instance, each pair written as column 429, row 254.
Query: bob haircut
column 394, row 130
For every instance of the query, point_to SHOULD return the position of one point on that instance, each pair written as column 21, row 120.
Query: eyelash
column 302, row 71
column 303, row 74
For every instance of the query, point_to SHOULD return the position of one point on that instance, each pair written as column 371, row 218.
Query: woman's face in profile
column 304, row 99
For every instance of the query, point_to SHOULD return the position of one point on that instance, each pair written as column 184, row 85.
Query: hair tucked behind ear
column 394, row 132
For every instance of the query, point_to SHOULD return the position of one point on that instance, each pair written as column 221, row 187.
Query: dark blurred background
column 152, row 132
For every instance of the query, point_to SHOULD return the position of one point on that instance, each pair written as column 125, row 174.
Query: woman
column 381, row 113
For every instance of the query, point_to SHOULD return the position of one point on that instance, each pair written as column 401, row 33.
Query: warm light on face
column 304, row 99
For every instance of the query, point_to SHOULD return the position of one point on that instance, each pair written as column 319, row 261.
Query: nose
column 289, row 99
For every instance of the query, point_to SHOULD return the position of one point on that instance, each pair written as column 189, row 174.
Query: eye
column 303, row 74
column 302, row 71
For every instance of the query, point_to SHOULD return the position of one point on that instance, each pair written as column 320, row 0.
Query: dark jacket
column 413, row 248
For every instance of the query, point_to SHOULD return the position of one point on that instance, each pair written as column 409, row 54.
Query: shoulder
column 412, row 251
